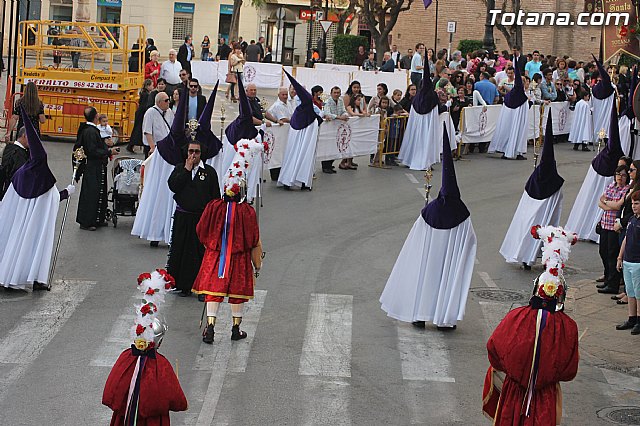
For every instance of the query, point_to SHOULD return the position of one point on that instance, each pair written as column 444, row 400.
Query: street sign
column 451, row 26
column 319, row 15
column 325, row 25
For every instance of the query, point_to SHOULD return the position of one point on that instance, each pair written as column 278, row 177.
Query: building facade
column 418, row 25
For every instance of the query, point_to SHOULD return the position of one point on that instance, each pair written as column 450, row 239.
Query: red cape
column 510, row 349
column 160, row 390
column 239, row 280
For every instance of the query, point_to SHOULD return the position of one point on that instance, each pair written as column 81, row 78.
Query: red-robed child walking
column 535, row 347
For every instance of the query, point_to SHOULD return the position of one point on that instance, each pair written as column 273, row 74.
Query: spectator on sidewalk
column 417, row 65
column 152, row 68
column 370, row 63
column 547, row 88
column 253, row 52
column 361, row 56
column 487, row 89
column 388, row 65
column 628, row 262
column 405, row 62
column 170, row 71
column 149, row 47
column 186, row 53
column 75, row 55
column 223, row 50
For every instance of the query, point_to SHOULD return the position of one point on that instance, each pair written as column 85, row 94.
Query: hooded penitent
column 304, row 113
column 516, row 96
column 170, row 148
column 204, row 134
column 242, row 127
column 545, row 180
column 426, row 99
column 34, row 178
column 603, row 89
column 448, row 210
column 632, row 88
column 606, row 161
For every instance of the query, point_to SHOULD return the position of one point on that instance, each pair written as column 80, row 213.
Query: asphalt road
column 320, row 350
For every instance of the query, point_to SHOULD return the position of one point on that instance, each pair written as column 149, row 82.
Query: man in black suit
column 223, row 50
column 197, row 101
column 522, row 60
column 186, row 53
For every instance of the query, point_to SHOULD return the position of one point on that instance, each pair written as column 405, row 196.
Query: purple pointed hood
column 516, row 96
column 170, row 148
column 606, row 161
column 632, row 88
column 603, row 89
column 242, row 127
column 448, row 210
column 304, row 113
column 204, row 135
column 426, row 99
column 545, row 180
column 34, row 178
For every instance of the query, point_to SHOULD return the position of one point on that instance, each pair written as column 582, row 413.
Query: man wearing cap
column 28, row 215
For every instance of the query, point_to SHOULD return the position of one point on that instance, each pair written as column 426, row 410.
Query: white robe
column 422, row 142
column 582, row 125
column 222, row 162
column 27, row 228
column 624, row 125
column 510, row 136
column 154, row 217
column 601, row 115
column 432, row 275
column 299, row 156
column 585, row 213
column 518, row 245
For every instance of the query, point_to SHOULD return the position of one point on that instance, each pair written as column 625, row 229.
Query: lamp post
column 488, row 42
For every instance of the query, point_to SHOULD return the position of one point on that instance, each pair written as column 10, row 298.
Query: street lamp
column 487, row 42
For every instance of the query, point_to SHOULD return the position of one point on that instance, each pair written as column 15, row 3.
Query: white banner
column 264, row 76
column 370, row 79
column 561, row 115
column 310, row 77
column 479, row 124
column 206, row 72
column 336, row 67
column 344, row 139
column 276, row 136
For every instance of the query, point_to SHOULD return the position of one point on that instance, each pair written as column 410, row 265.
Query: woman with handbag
column 236, row 66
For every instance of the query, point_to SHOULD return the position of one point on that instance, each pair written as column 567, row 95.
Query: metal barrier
column 390, row 138
column 65, row 113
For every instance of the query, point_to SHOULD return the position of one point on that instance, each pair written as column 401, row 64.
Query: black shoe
column 183, row 293
column 305, row 187
column 419, row 324
column 526, row 267
column 504, row 157
column 521, row 157
column 575, row 146
column 328, row 171
column 627, row 325
column 201, row 298
column 237, row 334
column 209, row 333
column 447, row 328
column 39, row 286
column 608, row 290
column 105, row 223
column 154, row 243
column 88, row 228
column 286, row 187
column 585, row 148
column 636, row 329
column 601, row 285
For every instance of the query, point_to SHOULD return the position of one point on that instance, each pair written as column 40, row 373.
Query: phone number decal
column 72, row 84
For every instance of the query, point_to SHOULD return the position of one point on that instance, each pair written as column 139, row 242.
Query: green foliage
column 345, row 47
column 627, row 60
column 467, row 46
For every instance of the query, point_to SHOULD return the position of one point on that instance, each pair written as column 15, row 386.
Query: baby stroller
column 126, row 184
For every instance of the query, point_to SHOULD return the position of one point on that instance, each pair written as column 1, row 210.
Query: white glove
column 263, row 127
column 448, row 103
column 71, row 189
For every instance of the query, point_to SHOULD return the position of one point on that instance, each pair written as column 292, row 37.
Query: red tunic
column 160, row 390
column 238, row 282
column 510, row 350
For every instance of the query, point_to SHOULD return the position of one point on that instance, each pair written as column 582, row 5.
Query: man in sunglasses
column 193, row 184
column 197, row 101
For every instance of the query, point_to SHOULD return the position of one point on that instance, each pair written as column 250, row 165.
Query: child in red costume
column 142, row 387
column 535, row 347
column 229, row 231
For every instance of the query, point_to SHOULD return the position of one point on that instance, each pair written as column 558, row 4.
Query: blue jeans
column 75, row 57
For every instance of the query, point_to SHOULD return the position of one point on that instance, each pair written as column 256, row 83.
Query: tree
column 512, row 33
column 374, row 13
column 235, row 17
column 343, row 9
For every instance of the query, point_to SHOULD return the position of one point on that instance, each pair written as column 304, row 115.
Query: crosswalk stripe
column 326, row 350
column 224, row 355
column 119, row 337
column 327, row 401
column 26, row 341
column 487, row 280
column 423, row 357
